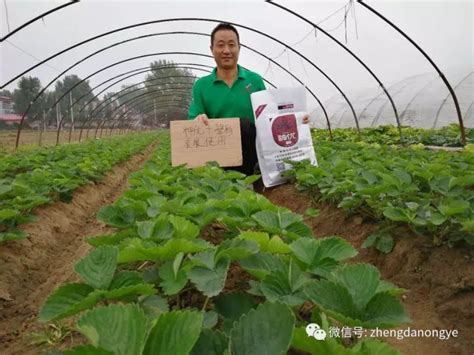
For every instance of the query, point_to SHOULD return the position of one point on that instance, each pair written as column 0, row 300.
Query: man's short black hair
column 224, row 26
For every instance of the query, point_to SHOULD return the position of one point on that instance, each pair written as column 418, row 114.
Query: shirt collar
column 241, row 74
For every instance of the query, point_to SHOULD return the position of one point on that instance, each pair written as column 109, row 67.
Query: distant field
column 32, row 138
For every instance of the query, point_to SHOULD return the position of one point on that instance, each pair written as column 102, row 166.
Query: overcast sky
column 444, row 29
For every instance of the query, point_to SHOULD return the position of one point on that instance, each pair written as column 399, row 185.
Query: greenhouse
column 248, row 177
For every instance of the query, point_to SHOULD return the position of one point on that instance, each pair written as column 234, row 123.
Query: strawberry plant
column 160, row 284
column 43, row 175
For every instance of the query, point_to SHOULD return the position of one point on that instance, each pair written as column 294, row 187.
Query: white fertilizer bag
column 281, row 134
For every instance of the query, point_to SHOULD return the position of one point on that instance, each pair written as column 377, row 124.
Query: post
column 71, row 109
column 40, row 130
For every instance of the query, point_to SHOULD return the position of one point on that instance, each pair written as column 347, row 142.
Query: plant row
column 201, row 264
column 40, row 176
column 448, row 136
column 431, row 191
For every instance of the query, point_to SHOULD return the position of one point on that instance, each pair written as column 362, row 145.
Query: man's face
column 225, row 49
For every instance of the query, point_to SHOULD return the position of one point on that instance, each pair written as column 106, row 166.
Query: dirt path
column 32, row 268
column 439, row 280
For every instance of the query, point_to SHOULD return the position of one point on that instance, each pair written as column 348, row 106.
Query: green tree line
column 164, row 95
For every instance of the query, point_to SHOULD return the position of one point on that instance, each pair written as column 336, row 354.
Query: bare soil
column 32, row 268
column 439, row 280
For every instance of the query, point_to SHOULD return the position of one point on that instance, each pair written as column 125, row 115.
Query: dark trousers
column 248, row 134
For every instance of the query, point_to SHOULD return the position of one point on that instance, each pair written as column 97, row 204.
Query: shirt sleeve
column 196, row 107
column 261, row 84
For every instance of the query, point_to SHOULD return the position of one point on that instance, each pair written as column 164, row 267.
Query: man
column 225, row 93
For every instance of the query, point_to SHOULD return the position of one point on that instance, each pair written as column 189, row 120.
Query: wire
column 355, row 20
column 289, row 66
column 6, row 15
column 343, row 20
column 31, row 55
column 331, row 15
column 296, row 43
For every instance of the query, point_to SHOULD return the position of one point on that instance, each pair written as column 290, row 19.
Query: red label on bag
column 259, row 110
column 285, row 131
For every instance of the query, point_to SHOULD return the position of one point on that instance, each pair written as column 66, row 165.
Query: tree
column 28, row 88
column 167, row 84
column 6, row 93
column 81, row 91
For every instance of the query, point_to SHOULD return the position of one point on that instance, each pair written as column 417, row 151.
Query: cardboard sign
column 193, row 143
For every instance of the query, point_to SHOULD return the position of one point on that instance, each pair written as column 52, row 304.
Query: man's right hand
column 202, row 118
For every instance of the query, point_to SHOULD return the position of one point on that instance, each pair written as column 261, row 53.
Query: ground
column 439, row 280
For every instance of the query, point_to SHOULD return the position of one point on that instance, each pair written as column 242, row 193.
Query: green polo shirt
column 213, row 97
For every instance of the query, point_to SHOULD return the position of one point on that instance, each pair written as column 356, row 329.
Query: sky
column 444, row 29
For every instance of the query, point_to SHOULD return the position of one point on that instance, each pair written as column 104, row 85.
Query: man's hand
column 202, row 118
column 306, row 119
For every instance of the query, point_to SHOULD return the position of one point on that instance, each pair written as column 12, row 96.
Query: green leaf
column 276, row 221
column 98, row 267
column 333, row 298
column 210, row 342
column 385, row 312
column 86, row 350
column 265, row 330
column 231, row 306
column 170, row 283
column 261, row 238
column 385, row 244
column 277, row 246
column 111, row 239
column 312, row 212
column 184, row 228
column 322, row 256
column 310, row 251
column 361, row 280
column 374, row 346
column 126, row 278
column 236, row 249
column 301, row 341
column 261, row 264
column 177, row 263
column 396, row 214
column 129, row 293
column 468, row 226
column 381, row 240
column 285, row 284
column 120, row 329
column 174, row 333
column 154, row 305
column 251, row 179
column 8, row 213
column 67, row 300
column 13, row 234
column 146, row 229
column 158, row 229
column 210, row 320
column 390, row 288
column 453, row 207
column 122, row 216
column 354, row 296
column 135, row 250
column 210, row 281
